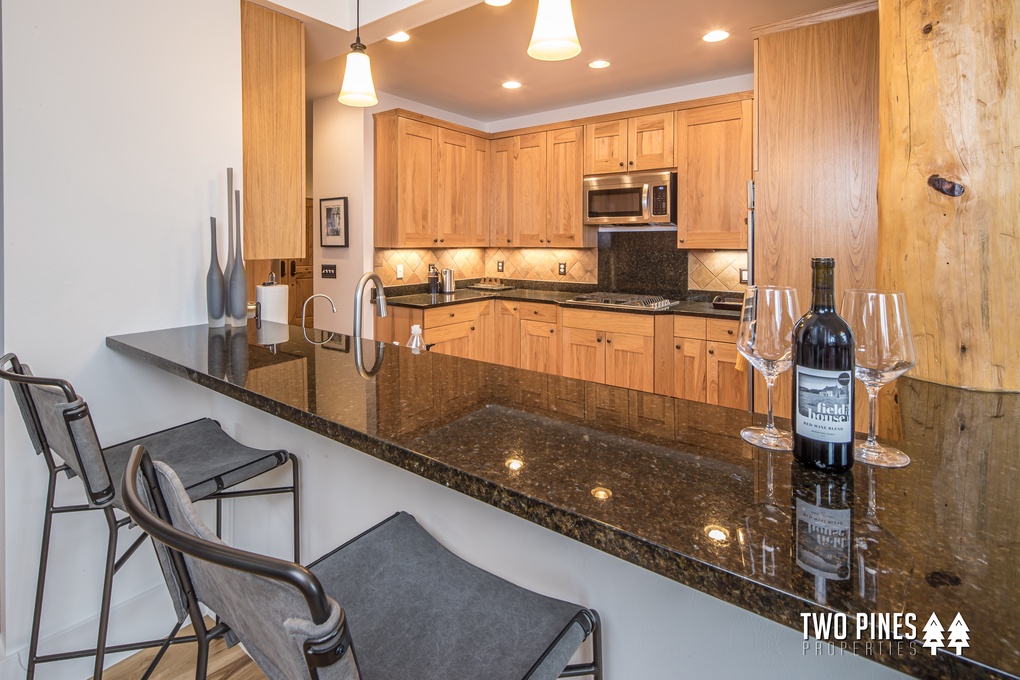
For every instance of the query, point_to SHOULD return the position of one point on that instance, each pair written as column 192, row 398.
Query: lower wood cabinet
column 463, row 330
column 706, row 364
column 609, row 347
column 539, row 337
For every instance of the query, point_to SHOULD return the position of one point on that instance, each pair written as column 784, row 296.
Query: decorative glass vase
column 215, row 286
column 238, row 285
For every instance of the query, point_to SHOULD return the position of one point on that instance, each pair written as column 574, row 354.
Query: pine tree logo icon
column 958, row 634
column 933, row 631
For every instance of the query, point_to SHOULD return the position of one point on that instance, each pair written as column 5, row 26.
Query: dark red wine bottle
column 823, row 380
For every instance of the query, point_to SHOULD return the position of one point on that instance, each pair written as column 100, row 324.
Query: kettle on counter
column 448, row 283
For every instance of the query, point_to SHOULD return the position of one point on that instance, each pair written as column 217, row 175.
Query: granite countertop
column 426, row 301
column 689, row 499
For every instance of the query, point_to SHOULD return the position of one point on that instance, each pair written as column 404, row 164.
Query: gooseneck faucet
column 359, row 293
column 304, row 311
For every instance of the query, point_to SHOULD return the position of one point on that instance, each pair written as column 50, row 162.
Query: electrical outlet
column 329, row 271
column 563, row 268
column 499, row 265
column 400, row 271
column 743, row 276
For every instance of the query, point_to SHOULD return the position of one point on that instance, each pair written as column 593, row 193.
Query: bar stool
column 412, row 609
column 61, row 429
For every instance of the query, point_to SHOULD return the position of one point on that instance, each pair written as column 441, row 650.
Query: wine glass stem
column 872, row 414
column 770, row 487
column 770, row 424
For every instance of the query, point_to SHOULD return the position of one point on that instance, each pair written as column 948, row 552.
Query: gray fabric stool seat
column 412, row 610
column 60, row 427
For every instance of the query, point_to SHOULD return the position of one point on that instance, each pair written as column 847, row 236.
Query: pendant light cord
column 358, row 22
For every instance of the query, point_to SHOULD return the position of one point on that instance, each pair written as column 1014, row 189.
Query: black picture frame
column 333, row 231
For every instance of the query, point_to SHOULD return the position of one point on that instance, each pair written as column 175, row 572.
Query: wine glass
column 884, row 352
column 765, row 339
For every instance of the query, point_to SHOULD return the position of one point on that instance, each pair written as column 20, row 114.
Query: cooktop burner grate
column 622, row 300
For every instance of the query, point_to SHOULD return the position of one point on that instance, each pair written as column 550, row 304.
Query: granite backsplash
column 646, row 263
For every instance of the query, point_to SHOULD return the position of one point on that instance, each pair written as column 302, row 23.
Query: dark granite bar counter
column 668, row 484
column 426, row 301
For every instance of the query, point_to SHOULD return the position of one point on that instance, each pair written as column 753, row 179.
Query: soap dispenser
column 416, row 342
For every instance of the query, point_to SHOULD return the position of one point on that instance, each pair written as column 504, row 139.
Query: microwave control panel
column 660, row 203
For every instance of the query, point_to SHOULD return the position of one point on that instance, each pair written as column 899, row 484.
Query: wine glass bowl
column 765, row 339
column 884, row 351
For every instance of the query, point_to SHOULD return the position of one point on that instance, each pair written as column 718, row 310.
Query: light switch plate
column 329, row 271
column 400, row 271
column 743, row 276
column 499, row 265
column 563, row 268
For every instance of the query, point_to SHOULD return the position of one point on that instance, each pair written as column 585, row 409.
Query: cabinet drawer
column 536, row 311
column 444, row 316
column 722, row 330
column 612, row 322
column 689, row 327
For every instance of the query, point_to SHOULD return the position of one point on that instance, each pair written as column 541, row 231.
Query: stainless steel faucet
column 359, row 293
column 304, row 312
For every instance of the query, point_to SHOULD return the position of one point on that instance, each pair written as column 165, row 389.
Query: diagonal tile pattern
column 535, row 264
column 715, row 270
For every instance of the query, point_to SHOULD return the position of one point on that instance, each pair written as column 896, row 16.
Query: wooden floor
column 179, row 663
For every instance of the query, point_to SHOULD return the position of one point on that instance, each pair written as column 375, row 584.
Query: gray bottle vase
column 215, row 286
column 230, row 245
column 238, row 285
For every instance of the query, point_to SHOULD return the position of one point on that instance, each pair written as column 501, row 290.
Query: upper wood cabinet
column 713, row 153
column 629, row 144
column 431, row 185
column 536, row 199
column 273, row 134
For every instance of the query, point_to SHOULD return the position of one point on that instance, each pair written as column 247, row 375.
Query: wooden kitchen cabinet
column 611, row 347
column 464, row 330
column 501, row 191
column 506, row 346
column 431, row 185
column 727, row 386
column 273, row 134
column 713, row 156
column 565, row 200
column 539, row 337
column 629, row 144
column 705, row 361
column 690, row 369
column 529, row 191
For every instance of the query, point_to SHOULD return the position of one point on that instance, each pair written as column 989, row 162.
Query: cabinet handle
column 609, row 341
column 472, row 328
column 621, row 164
column 541, row 240
column 729, row 332
column 711, row 351
column 452, row 314
column 442, row 240
column 552, row 330
column 508, row 240
column 293, row 268
column 515, row 309
column 632, row 162
column 681, row 240
column 679, row 346
column 598, row 339
column 435, row 240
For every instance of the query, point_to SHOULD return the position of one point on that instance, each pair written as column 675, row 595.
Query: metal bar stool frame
column 102, row 500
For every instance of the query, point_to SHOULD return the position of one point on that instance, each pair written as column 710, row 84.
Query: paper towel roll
column 272, row 333
column 272, row 302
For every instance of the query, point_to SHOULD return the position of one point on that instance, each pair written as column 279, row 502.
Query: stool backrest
column 58, row 421
column 278, row 609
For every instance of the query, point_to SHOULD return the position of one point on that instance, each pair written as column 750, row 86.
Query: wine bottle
column 823, row 380
column 823, row 535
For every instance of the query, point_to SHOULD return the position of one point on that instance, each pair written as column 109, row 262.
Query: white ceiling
column 457, row 62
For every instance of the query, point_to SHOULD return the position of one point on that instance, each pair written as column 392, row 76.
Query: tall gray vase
column 238, row 286
column 230, row 243
column 215, row 289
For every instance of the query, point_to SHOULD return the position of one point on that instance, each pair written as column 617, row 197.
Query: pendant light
column 358, row 88
column 554, row 37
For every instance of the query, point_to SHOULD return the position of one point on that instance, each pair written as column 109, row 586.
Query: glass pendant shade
column 358, row 88
column 554, row 37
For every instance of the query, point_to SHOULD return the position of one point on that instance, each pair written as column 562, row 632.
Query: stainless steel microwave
column 632, row 200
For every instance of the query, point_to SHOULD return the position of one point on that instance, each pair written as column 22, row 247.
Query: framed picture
column 333, row 222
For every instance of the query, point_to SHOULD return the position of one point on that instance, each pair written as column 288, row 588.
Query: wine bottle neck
column 823, row 297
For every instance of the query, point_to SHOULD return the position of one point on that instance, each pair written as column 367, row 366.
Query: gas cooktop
column 622, row 300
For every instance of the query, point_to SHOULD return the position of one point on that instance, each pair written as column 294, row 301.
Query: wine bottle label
column 824, row 405
column 823, row 540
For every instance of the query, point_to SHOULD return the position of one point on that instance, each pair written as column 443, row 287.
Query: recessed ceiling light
column 715, row 36
column 399, row 36
column 497, row 3
column 599, row 63
column 511, row 84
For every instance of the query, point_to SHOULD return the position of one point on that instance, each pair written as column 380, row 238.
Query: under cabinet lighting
column 399, row 36
column 715, row 36
column 497, row 3
column 511, row 85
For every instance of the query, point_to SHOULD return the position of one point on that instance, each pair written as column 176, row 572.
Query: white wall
column 119, row 118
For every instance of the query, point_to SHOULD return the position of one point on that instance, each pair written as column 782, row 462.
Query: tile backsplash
column 536, row 264
column 716, row 270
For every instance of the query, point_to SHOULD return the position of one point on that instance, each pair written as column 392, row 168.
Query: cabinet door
column 454, row 339
column 506, row 340
column 501, row 191
column 565, row 227
column 462, row 181
column 417, row 166
column 690, row 359
column 583, row 354
column 540, row 347
column 726, row 385
column 714, row 161
column 650, row 142
column 482, row 331
column 605, row 147
column 530, row 186
column 630, row 361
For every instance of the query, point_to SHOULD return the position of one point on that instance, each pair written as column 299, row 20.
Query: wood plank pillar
column 949, row 184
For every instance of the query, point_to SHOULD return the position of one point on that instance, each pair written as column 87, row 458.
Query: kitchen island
column 666, row 484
